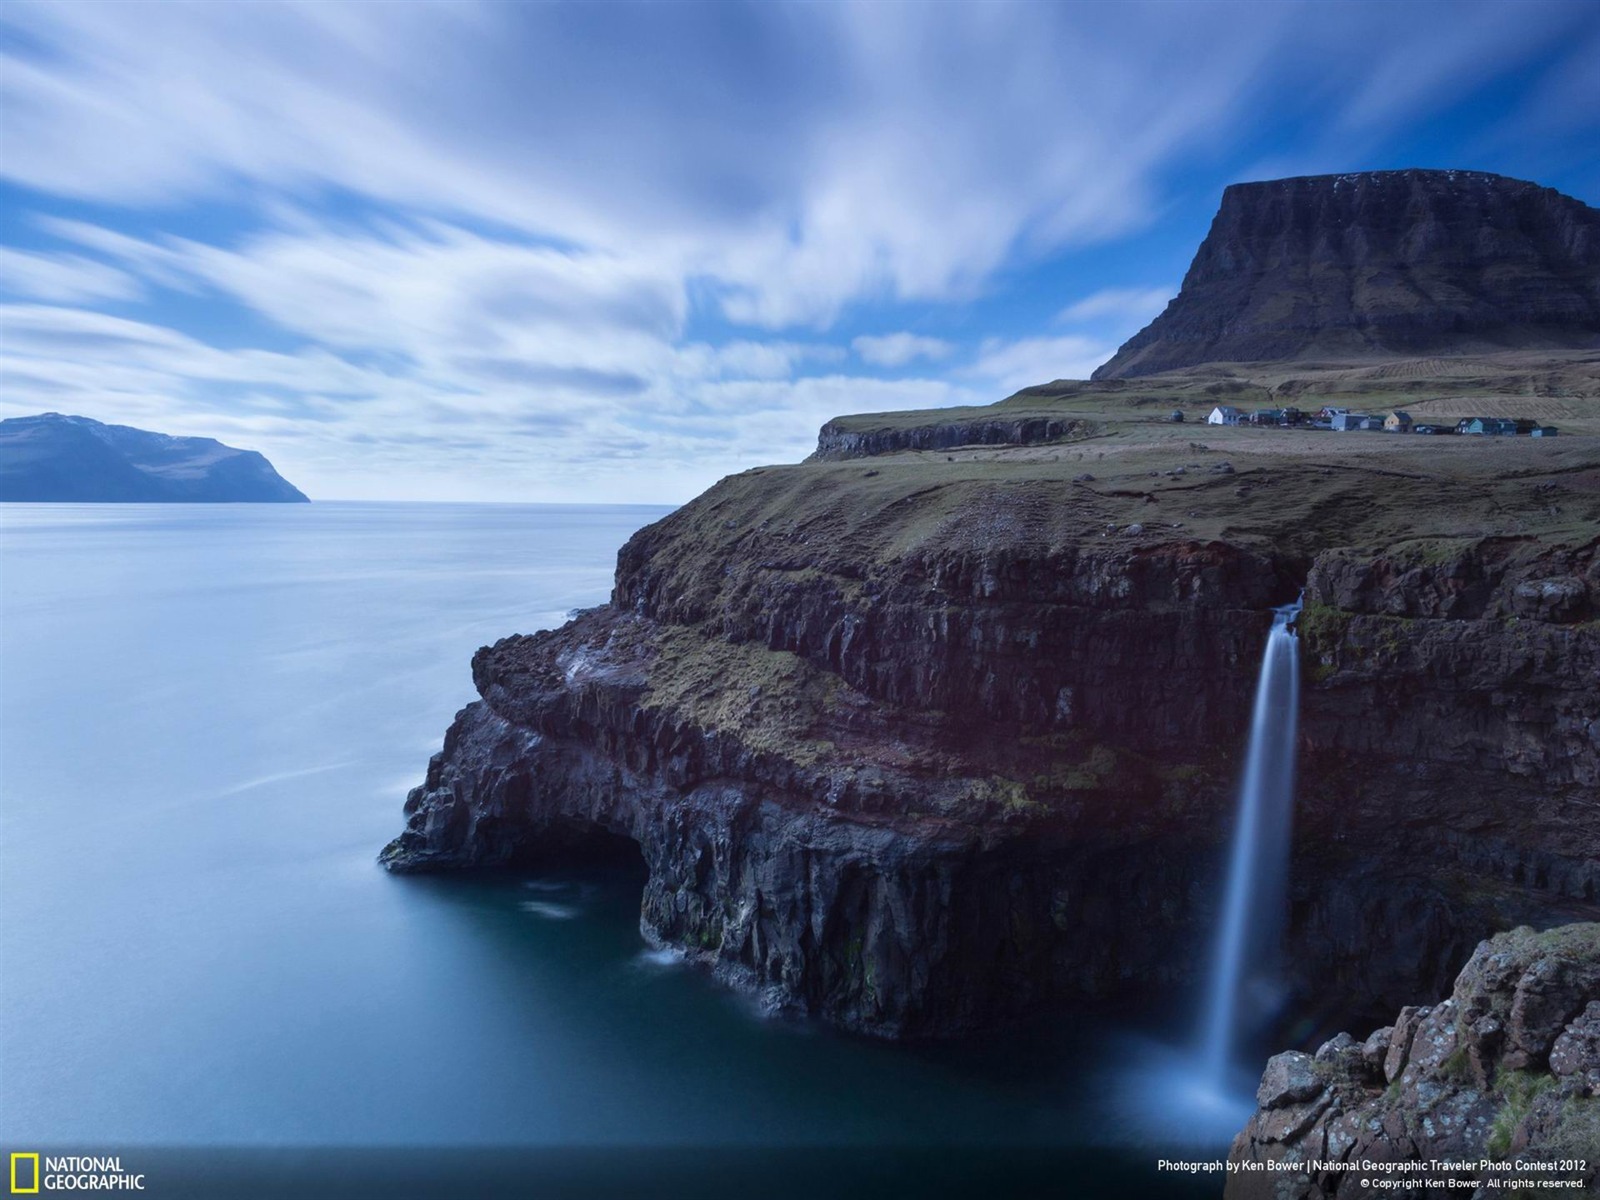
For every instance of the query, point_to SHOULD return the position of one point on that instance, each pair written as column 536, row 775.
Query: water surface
column 209, row 717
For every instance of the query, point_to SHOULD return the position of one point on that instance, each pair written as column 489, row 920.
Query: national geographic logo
column 26, row 1182
column 70, row 1173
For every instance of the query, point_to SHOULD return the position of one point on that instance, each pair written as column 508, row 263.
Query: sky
column 611, row 252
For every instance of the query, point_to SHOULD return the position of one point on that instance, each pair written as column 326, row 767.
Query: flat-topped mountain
column 52, row 457
column 1380, row 263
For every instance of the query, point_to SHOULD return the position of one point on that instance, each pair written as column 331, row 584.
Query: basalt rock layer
column 920, row 754
column 1380, row 263
column 1505, row 1072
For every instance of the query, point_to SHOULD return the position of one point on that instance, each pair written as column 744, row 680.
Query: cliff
column 1506, row 1071
column 52, row 457
column 926, row 743
column 1346, row 267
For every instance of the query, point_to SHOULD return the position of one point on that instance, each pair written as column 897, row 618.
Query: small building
column 1293, row 416
column 1488, row 426
column 1545, row 431
column 1346, row 421
column 1225, row 414
column 1525, row 425
column 1267, row 416
column 1397, row 422
column 1328, row 412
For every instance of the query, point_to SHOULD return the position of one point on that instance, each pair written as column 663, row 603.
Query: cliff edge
column 924, row 743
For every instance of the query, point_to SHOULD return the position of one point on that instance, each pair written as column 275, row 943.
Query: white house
column 1224, row 414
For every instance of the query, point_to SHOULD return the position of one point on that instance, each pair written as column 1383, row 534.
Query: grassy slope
column 1562, row 390
column 1301, row 490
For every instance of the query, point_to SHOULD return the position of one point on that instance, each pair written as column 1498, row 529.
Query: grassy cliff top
column 1560, row 389
column 1124, row 462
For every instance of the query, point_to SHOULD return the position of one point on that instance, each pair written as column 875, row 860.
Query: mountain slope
column 1343, row 267
column 52, row 457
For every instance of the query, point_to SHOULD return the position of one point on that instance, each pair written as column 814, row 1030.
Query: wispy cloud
column 1013, row 365
column 897, row 349
column 63, row 278
column 1122, row 304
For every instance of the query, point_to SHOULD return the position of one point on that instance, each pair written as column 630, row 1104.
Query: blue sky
column 600, row 252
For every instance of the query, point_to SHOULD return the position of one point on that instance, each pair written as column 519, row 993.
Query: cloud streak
column 897, row 349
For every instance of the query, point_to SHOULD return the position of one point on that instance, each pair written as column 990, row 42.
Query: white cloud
column 897, row 349
column 768, row 360
column 860, row 150
column 63, row 278
column 1124, row 304
column 1013, row 365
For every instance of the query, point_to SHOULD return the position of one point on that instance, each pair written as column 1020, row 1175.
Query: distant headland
column 54, row 457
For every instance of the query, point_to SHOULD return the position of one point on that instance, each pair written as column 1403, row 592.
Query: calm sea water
column 209, row 717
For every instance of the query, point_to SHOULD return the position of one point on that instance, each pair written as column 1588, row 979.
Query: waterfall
column 1254, row 903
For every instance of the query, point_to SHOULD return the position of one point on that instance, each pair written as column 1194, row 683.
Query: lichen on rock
column 1507, row 1066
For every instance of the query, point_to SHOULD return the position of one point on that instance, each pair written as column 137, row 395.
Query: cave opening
column 585, row 847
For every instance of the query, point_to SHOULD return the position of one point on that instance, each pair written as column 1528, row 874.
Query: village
column 1342, row 420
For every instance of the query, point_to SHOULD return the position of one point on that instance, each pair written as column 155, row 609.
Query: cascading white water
column 1254, row 903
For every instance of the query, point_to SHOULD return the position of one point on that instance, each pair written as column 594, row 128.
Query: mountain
column 1381, row 263
column 52, row 457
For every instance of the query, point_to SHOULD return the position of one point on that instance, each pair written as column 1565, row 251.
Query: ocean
column 209, row 718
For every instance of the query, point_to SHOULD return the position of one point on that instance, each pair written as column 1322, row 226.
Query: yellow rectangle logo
column 24, row 1191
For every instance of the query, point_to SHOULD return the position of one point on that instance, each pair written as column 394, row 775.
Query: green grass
column 1517, row 1091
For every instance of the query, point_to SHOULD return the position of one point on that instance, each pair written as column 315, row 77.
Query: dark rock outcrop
column 1344, row 267
column 838, row 441
column 53, row 457
column 1506, row 1070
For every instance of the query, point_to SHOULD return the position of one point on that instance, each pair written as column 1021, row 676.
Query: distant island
column 55, row 458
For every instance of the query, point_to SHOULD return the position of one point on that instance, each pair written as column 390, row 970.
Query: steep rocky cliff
column 920, row 747
column 1501, row 1080
column 1344, row 267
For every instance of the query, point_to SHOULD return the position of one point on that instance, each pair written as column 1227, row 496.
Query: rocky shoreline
column 1502, row 1079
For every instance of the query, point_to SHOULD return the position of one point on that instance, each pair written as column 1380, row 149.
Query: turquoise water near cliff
column 209, row 717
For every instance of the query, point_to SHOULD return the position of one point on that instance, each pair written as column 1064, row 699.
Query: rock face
column 1343, row 267
column 1507, row 1069
column 53, row 457
column 923, row 758
column 837, row 441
